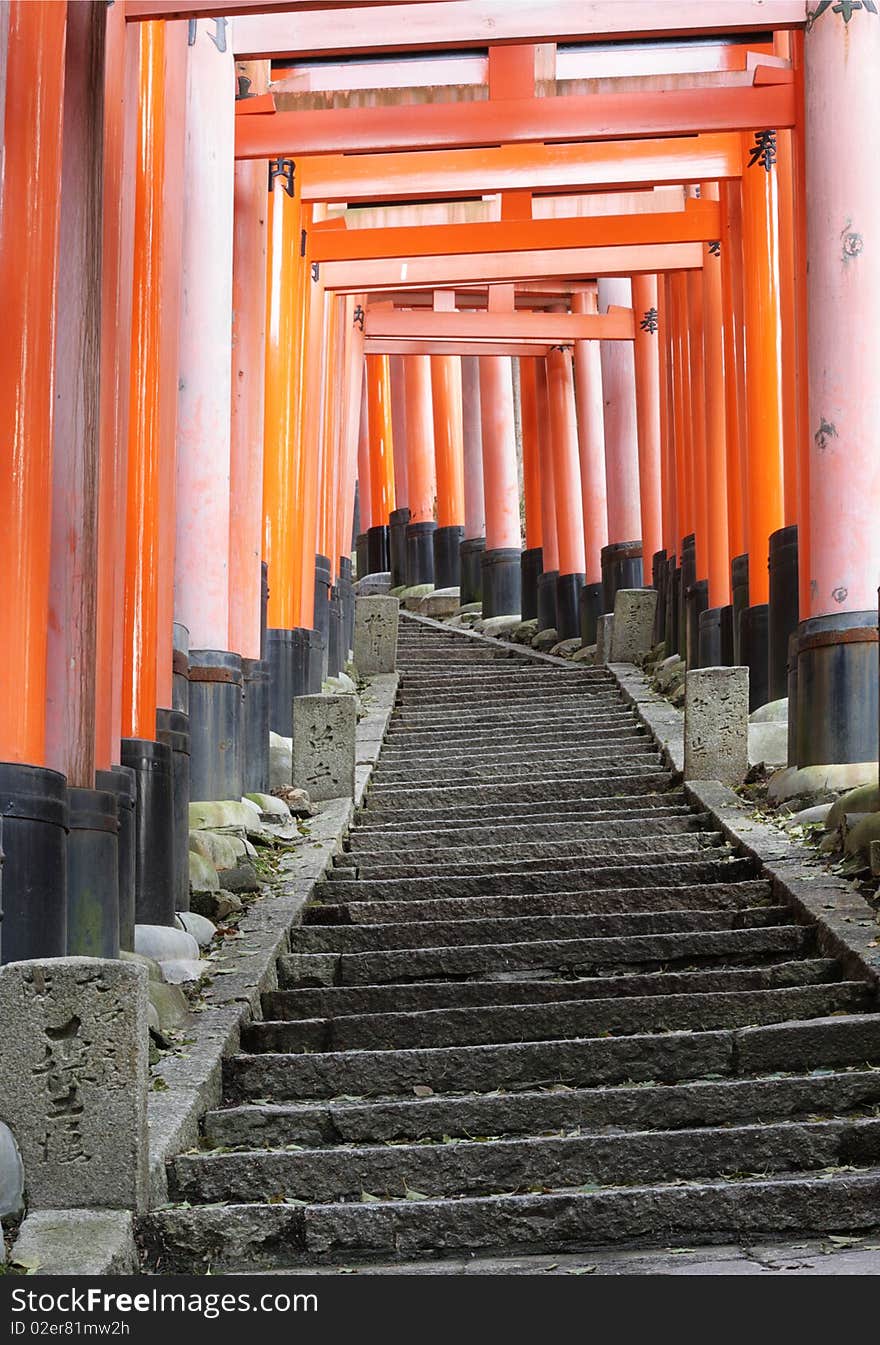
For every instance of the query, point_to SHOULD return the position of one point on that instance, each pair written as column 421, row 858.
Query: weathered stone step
column 435, row 701
column 465, row 1168
column 572, row 761
column 578, row 770
column 511, row 737
column 647, row 872
column 570, row 955
column 410, row 840
column 661, row 1107
column 670, row 802
column 484, row 1024
column 511, row 746
column 227, row 1237
column 326, row 1001
column 447, row 933
column 430, row 798
column 525, row 856
column 607, row 901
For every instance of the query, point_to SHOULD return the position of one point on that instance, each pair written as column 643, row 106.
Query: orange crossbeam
column 699, row 223
column 487, row 268
column 602, row 116
column 140, row 10
column 477, row 23
column 381, row 345
column 531, row 167
column 546, row 328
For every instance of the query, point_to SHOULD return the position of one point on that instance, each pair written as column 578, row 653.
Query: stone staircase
column 537, row 1005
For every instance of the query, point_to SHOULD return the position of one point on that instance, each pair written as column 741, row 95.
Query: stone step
column 461, row 797
column 509, row 746
column 665, row 1058
column 577, row 770
column 448, row 933
column 572, row 760
column 661, row 1107
column 483, row 1025
column 574, row 956
column 333, row 1000
column 621, row 901
column 230, row 1237
column 512, row 737
column 555, row 853
column 395, row 840
column 647, row 872
column 373, row 818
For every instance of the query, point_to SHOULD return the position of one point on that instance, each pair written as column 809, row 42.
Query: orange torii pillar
column 567, row 487
column 201, row 571
column 419, row 470
column 764, row 401
column 622, row 565
column 399, row 516
column 837, row 653
column 378, row 379
column 591, row 444
column 312, row 568
column 32, row 797
column 449, row 467
column 246, row 634
column 473, row 544
column 695, row 585
column 353, row 377
column 363, row 512
column 531, row 561
column 646, row 357
column 549, row 544
column 501, row 575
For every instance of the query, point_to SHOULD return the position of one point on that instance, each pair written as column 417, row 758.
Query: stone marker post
column 375, row 635
column 73, row 1080
column 324, row 729
column 633, row 628
column 716, row 725
column 604, row 631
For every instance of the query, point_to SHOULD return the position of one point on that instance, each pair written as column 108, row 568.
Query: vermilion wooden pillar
column 448, row 463
column 837, row 659
column 365, row 487
column 591, row 443
column 646, row 353
column 567, row 485
column 717, row 548
column 381, row 460
column 622, row 565
column 501, row 583
column 420, row 470
column 730, row 196
column 549, row 544
column 399, row 516
column 311, row 355
column 473, row 543
column 695, row 585
column 532, row 557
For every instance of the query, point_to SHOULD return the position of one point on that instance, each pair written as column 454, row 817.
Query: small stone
column 411, row 596
column 768, row 743
column 525, row 632
column 272, row 807
column 566, row 648
column 865, row 799
column 154, row 971
column 874, row 858
column 324, row 729
column 297, row 800
column 471, row 609
column 859, row 839
column 11, row 1175
column 808, row 817
column 243, row 878
column 202, row 874
column 544, row 640
column 371, row 584
column 774, row 712
column 633, row 626
column 441, row 603
column 202, row 930
column 224, row 813
column 375, row 637
column 180, row 971
column 796, row 782
column 153, row 1019
column 340, row 685
column 586, row 654
column 227, row 904
column 716, row 725
column 498, row 626
column 280, row 750
column 162, row 943
column 669, row 672
column 604, row 628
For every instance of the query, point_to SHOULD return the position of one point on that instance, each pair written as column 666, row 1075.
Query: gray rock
column 633, row 628
column 280, row 750
column 567, row 648
column 153, row 1019
column 375, row 636
column 669, row 671
column 525, row 632
column 411, row 596
column 324, row 729
column 163, row 944
column 441, row 603
column 774, row 712
column 716, row 725
column 243, row 878
column 272, row 808
column 202, row 874
column 154, row 971
column 865, row 799
column 169, row 1003
column 341, row 685
column 586, row 654
column 297, row 801
column 768, row 743
column 797, row 782
column 11, row 1175
column 544, row 640
column 73, row 1059
column 202, row 930
column 180, row 971
column 497, row 626
column 222, row 849
column 373, row 584
column 471, row 609
column 76, row 1242
column 604, row 635
column 807, row 817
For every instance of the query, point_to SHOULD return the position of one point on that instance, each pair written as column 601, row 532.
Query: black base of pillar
column 621, row 568
column 33, row 806
column 255, row 726
column 180, row 669
column 659, row 575
column 568, row 616
column 420, row 553
column 784, row 606
column 264, row 607
column 92, row 874
column 589, row 611
column 471, row 569
column 739, row 589
column 547, row 599
column 716, row 638
column 335, row 658
column 363, row 564
column 502, row 580
column 378, row 549
column 531, row 564
column 154, row 830
column 697, row 599
column 215, row 724
column 120, row 781
column 447, row 561
column 687, row 577
column 345, row 584
column 321, row 618
column 673, row 587
column 172, row 727
column 753, row 652
column 792, row 688
column 397, row 521
column 837, row 689
column 295, row 658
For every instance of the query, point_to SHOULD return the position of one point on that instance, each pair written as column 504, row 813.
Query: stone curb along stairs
column 545, row 998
